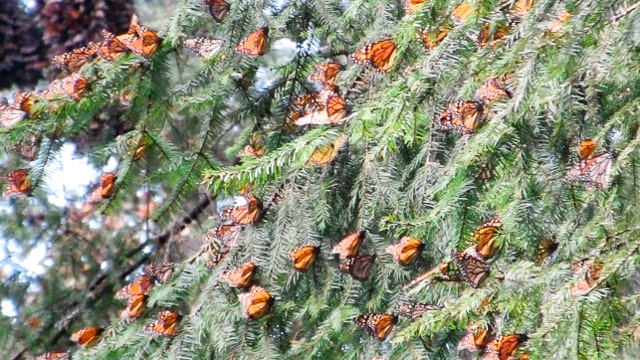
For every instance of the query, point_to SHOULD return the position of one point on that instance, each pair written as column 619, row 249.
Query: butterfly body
column 462, row 116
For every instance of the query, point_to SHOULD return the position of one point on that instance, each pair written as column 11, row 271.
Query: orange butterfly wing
column 325, row 154
column 239, row 277
column 359, row 267
column 407, row 250
column 254, row 44
column 86, row 336
column 54, row 356
column 217, row 8
column 73, row 60
column 256, row 302
column 462, row 116
column 161, row 271
column 140, row 39
column 484, row 237
column 412, row 6
column 473, row 268
column 381, row 55
column 461, row 13
column 378, row 325
column 489, row 37
column 141, row 285
column 586, row 148
column 135, row 306
column 350, row 245
column 326, row 72
column 594, row 171
column 246, row 214
column 504, row 346
column 429, row 41
column 111, row 48
column 304, row 256
column 18, row 183
column 166, row 325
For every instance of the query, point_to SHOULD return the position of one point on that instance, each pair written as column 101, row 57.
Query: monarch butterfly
column 217, row 8
column 334, row 111
column 462, row 116
column 489, row 36
column 412, row 6
column 501, row 348
column 54, row 356
column 472, row 268
column 493, row 89
column 350, row 245
column 135, row 305
column 594, row 170
column 104, row 189
column 520, row 8
column 415, row 310
column 358, row 266
column 73, row 86
column 165, row 325
column 254, row 44
column 141, row 285
column 255, row 147
column 428, row 40
column 72, row 61
column 239, row 277
column 461, row 12
column 86, row 336
column 325, row 154
column 18, row 183
column 141, row 40
column 484, row 237
column 245, row 214
column 137, row 147
column 10, row 116
column 326, row 72
column 204, row 47
column 546, row 248
column 162, row 272
column 586, row 148
column 27, row 147
column 475, row 338
column 380, row 55
column 589, row 279
column 111, row 48
column 442, row 272
column 304, row 256
column 256, row 302
column 378, row 325
column 407, row 250
column 226, row 234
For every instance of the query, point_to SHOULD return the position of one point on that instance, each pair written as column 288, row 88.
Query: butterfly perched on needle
column 333, row 111
column 471, row 266
column 413, row 310
column 245, row 210
column 484, row 237
column 204, row 47
column 255, row 44
column 162, row 272
column 140, row 39
column 73, row 86
column 475, row 338
column 326, row 72
column 165, row 325
column 256, row 302
column 380, row 55
column 18, row 183
column 358, row 266
column 490, row 35
column 304, row 256
column 349, row 245
column 493, row 89
column 378, row 325
column 590, row 274
column 110, row 48
column 239, row 277
column 406, row 251
column 595, row 170
column 217, row 8
column 141, row 285
column 55, row 355
column 74, row 60
column 503, row 347
column 18, row 110
column 462, row 116
column 86, row 336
